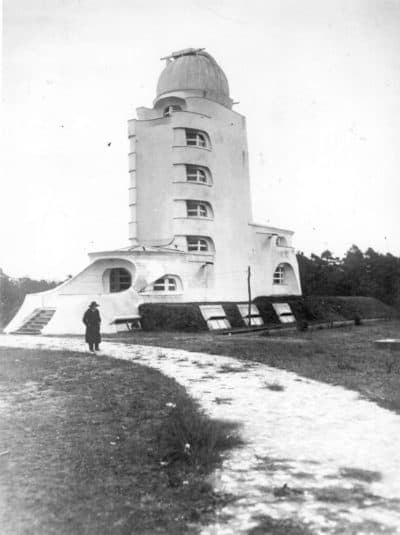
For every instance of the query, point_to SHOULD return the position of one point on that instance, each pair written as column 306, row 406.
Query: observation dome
column 193, row 69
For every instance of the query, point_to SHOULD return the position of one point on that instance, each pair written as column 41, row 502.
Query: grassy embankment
column 343, row 356
column 92, row 445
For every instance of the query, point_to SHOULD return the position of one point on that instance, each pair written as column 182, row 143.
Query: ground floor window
column 165, row 284
column 281, row 241
column 279, row 275
column 120, row 279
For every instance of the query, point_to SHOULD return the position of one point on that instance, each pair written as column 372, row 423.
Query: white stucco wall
column 158, row 191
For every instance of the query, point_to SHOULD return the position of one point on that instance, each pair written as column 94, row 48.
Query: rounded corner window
column 197, row 138
column 199, row 209
column 198, row 174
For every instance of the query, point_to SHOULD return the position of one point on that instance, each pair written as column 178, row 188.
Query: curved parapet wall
column 71, row 299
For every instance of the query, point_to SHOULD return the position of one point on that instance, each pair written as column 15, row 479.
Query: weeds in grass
column 343, row 365
column 188, row 436
column 367, row 476
column 302, row 325
column 280, row 526
column 275, row 386
column 228, row 368
column 389, row 364
column 221, row 401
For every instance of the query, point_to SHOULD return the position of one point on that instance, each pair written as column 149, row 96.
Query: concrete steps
column 37, row 321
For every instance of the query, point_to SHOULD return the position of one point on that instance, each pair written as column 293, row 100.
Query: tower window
column 120, row 279
column 197, row 244
column 196, row 174
column 195, row 138
column 196, row 209
column 279, row 275
column 165, row 284
column 169, row 110
column 281, row 241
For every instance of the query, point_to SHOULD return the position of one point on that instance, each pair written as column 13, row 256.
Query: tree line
column 13, row 291
column 368, row 273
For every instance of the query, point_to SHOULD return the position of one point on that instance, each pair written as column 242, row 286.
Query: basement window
column 120, row 279
column 218, row 323
column 215, row 317
column 279, row 275
column 256, row 319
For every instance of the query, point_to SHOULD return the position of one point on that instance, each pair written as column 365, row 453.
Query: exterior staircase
column 37, row 321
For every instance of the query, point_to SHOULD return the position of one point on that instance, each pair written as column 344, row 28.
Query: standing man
column 92, row 321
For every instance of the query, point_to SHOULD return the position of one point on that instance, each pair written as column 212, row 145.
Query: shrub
column 188, row 436
column 302, row 325
column 233, row 314
column 266, row 309
column 172, row 317
column 299, row 307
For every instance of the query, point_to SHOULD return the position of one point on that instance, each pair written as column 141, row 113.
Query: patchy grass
column 86, row 438
column 356, row 495
column 275, row 386
column 189, row 437
column 285, row 526
column 230, row 368
column 345, row 356
column 366, row 476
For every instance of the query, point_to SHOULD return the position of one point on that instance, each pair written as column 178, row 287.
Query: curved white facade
column 190, row 223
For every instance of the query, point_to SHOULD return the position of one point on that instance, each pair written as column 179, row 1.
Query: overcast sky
column 318, row 80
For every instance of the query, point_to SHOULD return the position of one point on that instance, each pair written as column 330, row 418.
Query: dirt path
column 317, row 459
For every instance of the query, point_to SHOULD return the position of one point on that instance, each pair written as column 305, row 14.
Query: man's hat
column 93, row 304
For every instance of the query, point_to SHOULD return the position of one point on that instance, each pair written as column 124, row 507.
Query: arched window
column 169, row 110
column 197, row 244
column 196, row 138
column 165, row 284
column 195, row 173
column 279, row 275
column 120, row 279
column 197, row 209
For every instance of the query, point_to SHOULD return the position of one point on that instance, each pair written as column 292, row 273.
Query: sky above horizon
column 318, row 81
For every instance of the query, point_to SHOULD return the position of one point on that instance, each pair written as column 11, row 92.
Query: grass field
column 86, row 448
column 344, row 356
column 82, row 437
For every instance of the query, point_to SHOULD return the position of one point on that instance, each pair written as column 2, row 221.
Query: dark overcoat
column 92, row 321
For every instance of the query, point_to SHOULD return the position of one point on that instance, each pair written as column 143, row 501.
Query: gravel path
column 315, row 454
